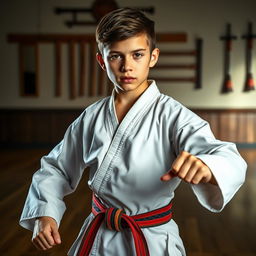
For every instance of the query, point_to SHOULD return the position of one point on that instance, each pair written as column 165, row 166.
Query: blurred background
column 48, row 75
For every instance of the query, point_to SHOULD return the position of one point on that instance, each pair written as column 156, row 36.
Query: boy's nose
column 126, row 66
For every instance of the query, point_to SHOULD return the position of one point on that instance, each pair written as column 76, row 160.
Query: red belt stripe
column 116, row 219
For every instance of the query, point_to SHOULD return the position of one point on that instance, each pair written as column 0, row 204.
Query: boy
column 139, row 145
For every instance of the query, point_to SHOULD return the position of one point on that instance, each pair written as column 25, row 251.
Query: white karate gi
column 126, row 162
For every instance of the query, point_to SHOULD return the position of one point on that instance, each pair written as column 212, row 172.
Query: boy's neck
column 124, row 101
column 129, row 97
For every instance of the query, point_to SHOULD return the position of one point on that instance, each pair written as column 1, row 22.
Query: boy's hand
column 46, row 233
column 190, row 169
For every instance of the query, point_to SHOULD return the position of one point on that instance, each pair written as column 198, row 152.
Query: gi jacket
column 126, row 162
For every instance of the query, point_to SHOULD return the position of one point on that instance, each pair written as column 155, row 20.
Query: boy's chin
column 124, row 88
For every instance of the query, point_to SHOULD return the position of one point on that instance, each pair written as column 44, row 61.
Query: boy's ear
column 154, row 57
column 100, row 61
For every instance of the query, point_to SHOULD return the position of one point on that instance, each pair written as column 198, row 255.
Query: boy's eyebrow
column 137, row 50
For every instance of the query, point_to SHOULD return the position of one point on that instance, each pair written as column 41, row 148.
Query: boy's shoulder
column 91, row 110
column 97, row 105
column 176, row 109
column 169, row 102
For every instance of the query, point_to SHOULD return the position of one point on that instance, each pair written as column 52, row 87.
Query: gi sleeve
column 229, row 169
column 59, row 175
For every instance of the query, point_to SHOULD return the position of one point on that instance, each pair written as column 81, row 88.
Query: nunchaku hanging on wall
column 227, row 38
column 249, row 82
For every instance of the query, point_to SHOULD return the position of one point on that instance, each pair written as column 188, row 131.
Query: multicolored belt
column 117, row 220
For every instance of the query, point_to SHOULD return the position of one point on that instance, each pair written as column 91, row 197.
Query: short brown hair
column 122, row 24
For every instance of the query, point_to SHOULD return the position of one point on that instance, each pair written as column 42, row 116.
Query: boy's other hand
column 190, row 169
column 46, row 233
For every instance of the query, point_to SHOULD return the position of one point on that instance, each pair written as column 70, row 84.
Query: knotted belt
column 117, row 220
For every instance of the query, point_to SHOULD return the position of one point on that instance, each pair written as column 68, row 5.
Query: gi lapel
column 121, row 131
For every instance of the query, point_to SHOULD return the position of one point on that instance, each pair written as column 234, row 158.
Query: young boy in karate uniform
column 139, row 145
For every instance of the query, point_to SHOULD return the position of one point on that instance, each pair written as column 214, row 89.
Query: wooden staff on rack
column 72, row 70
column 83, row 67
column 227, row 84
column 93, row 70
column 58, row 69
column 249, row 82
column 199, row 60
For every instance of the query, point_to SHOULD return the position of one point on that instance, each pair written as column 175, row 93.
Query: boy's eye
column 114, row 57
column 138, row 55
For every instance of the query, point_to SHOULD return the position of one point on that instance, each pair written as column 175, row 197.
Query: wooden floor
column 230, row 233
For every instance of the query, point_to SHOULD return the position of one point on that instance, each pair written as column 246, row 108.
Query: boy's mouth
column 127, row 79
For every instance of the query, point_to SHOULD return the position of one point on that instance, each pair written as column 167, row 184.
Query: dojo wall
column 202, row 18
column 43, row 120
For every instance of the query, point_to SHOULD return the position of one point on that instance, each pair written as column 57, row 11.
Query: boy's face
column 127, row 63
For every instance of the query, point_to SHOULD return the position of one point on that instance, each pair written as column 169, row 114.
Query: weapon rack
column 194, row 65
column 90, row 79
